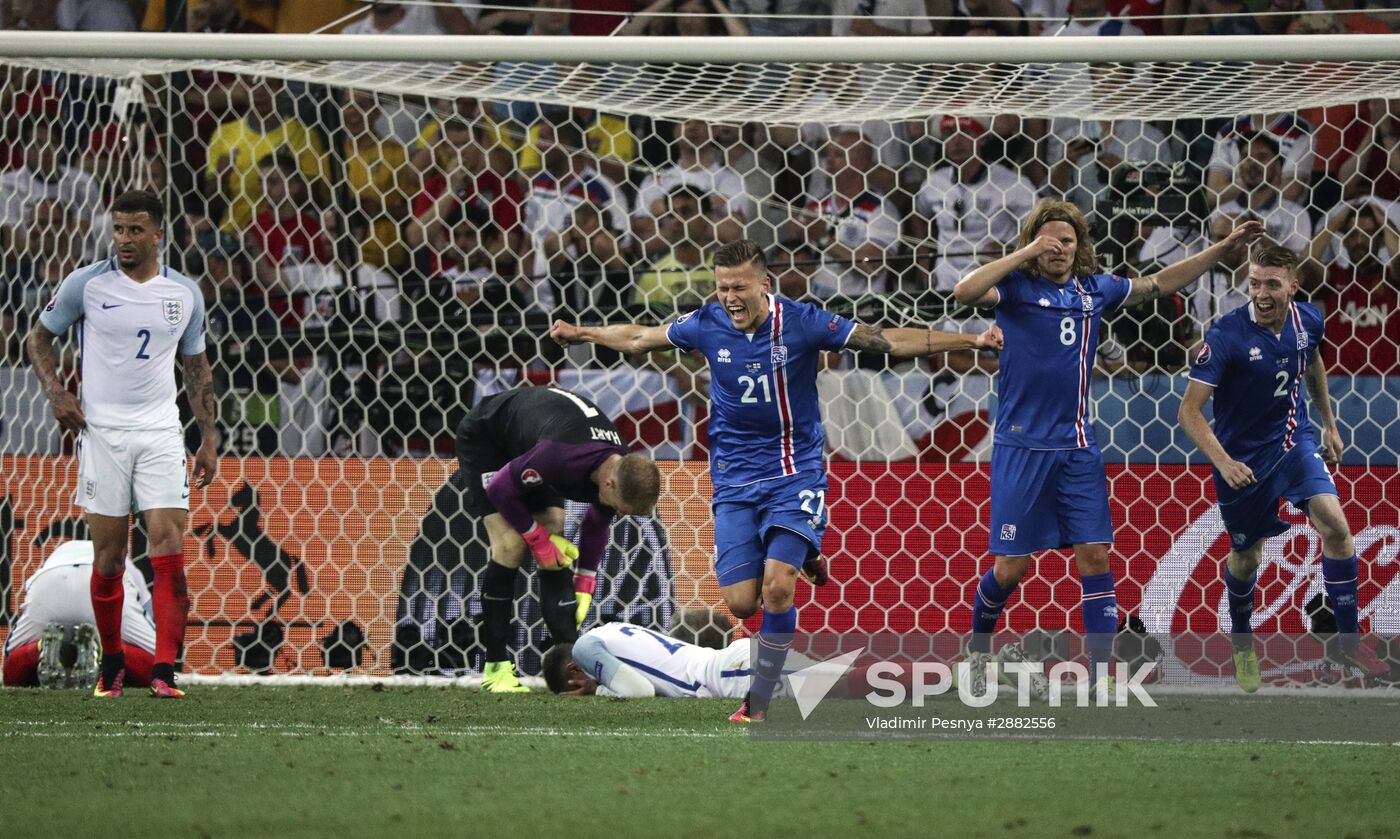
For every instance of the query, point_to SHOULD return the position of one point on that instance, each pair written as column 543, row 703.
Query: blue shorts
column 745, row 515
column 1047, row 499
column 1251, row 513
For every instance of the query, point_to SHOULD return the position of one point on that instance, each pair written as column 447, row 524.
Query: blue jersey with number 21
column 765, row 417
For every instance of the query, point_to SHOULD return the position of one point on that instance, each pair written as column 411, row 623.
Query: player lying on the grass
column 1049, row 488
column 623, row 659
column 1254, row 363
column 522, row 453
column 54, row 644
column 134, row 315
column 766, row 437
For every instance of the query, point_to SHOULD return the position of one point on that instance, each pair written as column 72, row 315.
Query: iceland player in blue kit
column 1049, row 489
column 766, row 438
column 1254, row 362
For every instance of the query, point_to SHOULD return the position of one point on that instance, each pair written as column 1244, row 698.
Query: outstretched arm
column 1180, row 274
column 915, row 343
column 1316, row 377
column 199, row 386
column 1192, row 418
column 628, row 338
column 42, row 357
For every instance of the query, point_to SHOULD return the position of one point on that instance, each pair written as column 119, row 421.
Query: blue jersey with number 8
column 1052, row 338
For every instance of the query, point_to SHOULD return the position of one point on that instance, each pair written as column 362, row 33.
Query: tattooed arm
column 199, row 385
column 44, row 360
column 916, row 343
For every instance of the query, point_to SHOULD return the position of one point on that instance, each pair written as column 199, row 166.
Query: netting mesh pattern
column 787, row 93
column 375, row 262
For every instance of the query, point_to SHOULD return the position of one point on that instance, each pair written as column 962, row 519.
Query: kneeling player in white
column 623, row 659
column 56, row 611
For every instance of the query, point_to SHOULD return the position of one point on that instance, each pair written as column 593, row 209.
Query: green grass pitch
column 316, row 761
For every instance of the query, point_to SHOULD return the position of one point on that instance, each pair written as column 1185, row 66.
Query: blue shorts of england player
column 1251, row 513
column 745, row 515
column 1046, row 499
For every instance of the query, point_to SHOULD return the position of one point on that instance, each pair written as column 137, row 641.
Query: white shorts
column 121, row 472
column 64, row 595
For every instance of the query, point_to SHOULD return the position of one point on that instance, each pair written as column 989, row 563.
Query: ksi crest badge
column 174, row 311
column 778, row 357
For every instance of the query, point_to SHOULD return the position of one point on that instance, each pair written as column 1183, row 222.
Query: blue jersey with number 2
column 1260, row 409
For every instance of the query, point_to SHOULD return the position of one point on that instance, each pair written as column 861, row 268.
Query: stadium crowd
column 399, row 256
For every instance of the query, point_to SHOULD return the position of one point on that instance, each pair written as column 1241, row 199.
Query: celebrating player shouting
column 766, row 438
column 1049, row 489
column 1254, row 361
column 133, row 314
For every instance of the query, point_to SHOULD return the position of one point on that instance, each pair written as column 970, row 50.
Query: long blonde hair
column 1048, row 210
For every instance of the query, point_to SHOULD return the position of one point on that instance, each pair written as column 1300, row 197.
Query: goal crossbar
column 691, row 50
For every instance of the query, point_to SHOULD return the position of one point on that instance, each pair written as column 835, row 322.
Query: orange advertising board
column 344, row 526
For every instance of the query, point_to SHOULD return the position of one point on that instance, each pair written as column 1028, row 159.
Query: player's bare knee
column 109, row 561
column 508, row 554
column 166, row 542
column 779, row 585
column 1338, row 543
column 1243, row 564
column 1009, row 570
column 1336, row 533
column 742, row 607
column 1091, row 559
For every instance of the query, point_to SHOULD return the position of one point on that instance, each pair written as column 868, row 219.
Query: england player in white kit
column 132, row 316
column 57, row 597
column 623, row 659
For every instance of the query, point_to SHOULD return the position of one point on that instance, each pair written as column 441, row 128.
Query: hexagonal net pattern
column 381, row 246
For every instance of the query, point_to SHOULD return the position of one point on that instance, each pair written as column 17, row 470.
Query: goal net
column 384, row 229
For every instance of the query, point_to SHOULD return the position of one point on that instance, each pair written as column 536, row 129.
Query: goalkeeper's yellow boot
column 499, row 677
column 1246, row 670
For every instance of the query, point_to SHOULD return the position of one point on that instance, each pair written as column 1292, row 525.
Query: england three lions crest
column 174, row 311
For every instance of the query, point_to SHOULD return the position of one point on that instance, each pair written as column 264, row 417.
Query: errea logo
column 724, row 357
column 1043, row 302
column 1255, row 354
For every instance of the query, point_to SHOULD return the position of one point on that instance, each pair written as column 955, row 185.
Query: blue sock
column 1339, row 578
column 1240, row 595
column 770, row 651
column 1100, row 610
column 987, row 604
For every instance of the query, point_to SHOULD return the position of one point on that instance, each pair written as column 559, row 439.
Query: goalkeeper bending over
column 522, row 454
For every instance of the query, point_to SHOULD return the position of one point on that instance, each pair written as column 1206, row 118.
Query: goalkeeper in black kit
column 522, row 454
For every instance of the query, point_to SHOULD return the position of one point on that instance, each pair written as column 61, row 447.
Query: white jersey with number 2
column 128, row 333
